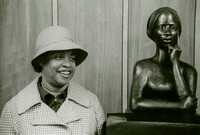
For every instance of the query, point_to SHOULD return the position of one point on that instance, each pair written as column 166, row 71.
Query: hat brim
column 81, row 54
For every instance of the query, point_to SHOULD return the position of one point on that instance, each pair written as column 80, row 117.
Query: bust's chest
column 161, row 79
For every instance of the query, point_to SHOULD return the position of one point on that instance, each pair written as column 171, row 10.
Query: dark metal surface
column 164, row 82
column 134, row 124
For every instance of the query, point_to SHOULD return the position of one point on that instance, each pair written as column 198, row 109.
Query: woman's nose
column 66, row 62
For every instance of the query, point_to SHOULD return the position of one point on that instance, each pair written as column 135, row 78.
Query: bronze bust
column 164, row 81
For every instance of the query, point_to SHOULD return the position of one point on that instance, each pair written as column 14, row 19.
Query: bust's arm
column 185, row 83
column 190, row 74
column 139, row 81
column 158, row 104
column 190, row 77
column 181, row 86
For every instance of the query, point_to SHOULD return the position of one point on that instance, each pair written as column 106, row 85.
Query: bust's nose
column 167, row 31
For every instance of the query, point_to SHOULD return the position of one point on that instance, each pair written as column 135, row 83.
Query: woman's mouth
column 65, row 73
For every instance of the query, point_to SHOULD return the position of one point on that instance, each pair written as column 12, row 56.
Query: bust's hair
column 154, row 17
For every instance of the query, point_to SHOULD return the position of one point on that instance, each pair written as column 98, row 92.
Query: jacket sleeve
column 99, row 116
column 6, row 122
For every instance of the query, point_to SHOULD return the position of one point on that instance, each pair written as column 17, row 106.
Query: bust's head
column 162, row 15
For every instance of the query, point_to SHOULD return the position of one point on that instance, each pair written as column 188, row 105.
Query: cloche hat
column 57, row 38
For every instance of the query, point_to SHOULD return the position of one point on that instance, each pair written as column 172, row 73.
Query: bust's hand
column 175, row 54
column 190, row 103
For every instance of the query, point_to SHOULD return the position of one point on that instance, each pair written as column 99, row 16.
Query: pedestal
column 137, row 124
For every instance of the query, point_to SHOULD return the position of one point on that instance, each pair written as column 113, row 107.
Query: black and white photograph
column 99, row 67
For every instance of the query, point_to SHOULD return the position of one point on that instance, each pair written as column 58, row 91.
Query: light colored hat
column 57, row 38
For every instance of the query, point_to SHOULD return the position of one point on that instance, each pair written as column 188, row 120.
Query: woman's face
column 166, row 31
column 60, row 68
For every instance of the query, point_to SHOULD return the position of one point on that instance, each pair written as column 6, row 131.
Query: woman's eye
column 58, row 57
column 73, row 59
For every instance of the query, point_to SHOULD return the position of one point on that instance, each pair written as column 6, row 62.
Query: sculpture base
column 140, row 124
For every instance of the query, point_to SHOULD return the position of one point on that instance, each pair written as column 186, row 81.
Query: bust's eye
column 173, row 27
column 161, row 27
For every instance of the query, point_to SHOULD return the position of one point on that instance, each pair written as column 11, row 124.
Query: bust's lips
column 167, row 40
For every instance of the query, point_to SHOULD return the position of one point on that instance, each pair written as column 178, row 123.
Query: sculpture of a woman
column 164, row 81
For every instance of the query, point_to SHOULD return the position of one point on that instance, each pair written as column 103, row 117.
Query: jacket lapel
column 68, row 113
column 46, row 116
column 69, row 110
column 28, row 97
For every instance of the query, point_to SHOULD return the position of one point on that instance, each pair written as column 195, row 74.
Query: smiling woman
column 59, row 70
column 52, row 104
column 163, row 82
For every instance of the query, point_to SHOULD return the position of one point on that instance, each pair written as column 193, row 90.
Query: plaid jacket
column 26, row 114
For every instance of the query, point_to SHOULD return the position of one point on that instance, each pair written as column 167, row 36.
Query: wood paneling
column 140, row 46
column 20, row 22
column 40, row 17
column 197, row 50
column 97, row 26
column 125, row 57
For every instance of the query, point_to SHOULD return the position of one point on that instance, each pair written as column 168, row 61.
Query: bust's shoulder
column 188, row 68
column 144, row 63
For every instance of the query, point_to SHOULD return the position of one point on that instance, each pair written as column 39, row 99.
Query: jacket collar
column 30, row 96
column 78, row 94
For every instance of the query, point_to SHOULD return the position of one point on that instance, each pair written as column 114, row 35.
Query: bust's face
column 166, row 30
